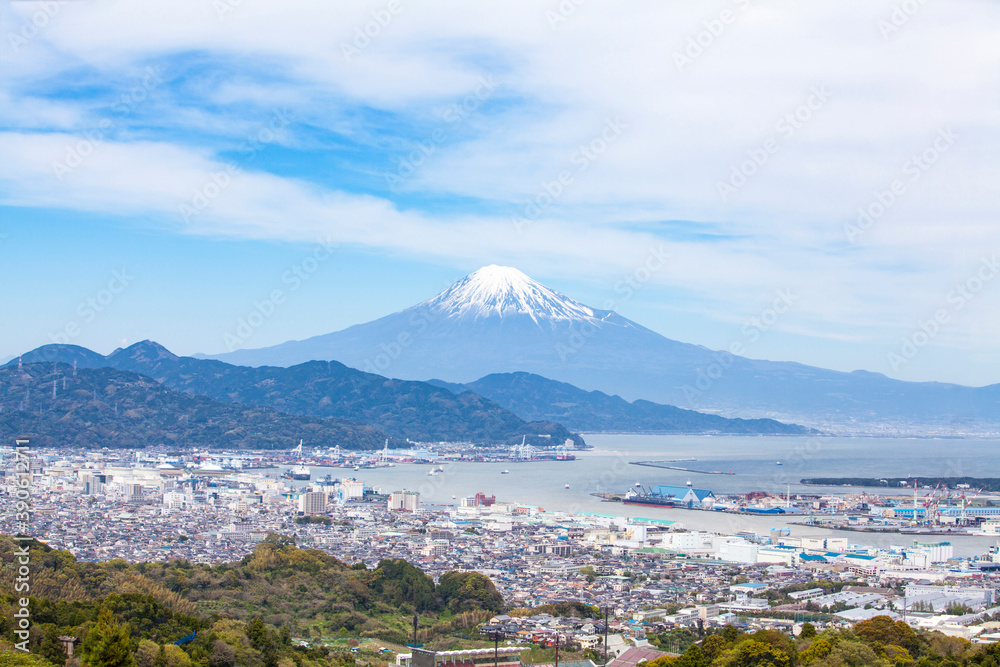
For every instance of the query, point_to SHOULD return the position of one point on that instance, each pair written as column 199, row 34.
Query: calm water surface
column 752, row 460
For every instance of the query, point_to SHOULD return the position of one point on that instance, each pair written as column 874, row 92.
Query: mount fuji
column 498, row 320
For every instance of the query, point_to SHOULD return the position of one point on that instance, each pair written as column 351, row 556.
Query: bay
column 754, row 462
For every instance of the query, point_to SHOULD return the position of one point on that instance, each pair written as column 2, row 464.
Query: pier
column 663, row 465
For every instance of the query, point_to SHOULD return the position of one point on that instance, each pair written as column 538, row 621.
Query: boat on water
column 299, row 472
column 567, row 486
column 648, row 499
column 504, row 472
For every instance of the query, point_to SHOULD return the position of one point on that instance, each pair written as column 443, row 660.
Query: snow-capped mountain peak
column 503, row 291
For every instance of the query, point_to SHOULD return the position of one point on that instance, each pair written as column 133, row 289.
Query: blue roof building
column 685, row 495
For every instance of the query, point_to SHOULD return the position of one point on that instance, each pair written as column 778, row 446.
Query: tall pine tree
column 107, row 643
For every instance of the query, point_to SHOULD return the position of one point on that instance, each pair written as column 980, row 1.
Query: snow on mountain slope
column 498, row 320
column 502, row 291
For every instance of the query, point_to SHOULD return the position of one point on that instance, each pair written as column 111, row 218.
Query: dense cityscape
column 501, row 333
column 649, row 575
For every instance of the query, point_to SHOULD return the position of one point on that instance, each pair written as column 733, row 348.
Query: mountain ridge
column 402, row 409
column 56, row 405
column 535, row 397
column 606, row 352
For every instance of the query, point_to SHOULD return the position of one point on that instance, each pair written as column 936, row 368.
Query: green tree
column 257, row 633
column 988, row 657
column 261, row 639
column 715, row 645
column 693, row 657
column 468, row 591
column 21, row 659
column 897, row 654
column 808, row 631
column 777, row 640
column 887, row 631
column 50, row 647
column 818, row 649
column 753, row 653
column 107, row 643
column 145, row 655
column 848, row 653
column 958, row 609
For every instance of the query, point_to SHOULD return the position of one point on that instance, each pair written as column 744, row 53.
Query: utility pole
column 495, row 636
column 416, row 619
column 605, row 636
column 557, row 649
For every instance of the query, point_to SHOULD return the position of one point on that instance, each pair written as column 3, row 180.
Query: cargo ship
column 299, row 472
column 648, row 499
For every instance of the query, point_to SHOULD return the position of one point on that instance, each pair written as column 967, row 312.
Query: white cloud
column 687, row 128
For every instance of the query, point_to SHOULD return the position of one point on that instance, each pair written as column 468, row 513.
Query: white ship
column 298, row 472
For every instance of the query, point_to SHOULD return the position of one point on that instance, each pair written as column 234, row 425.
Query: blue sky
column 165, row 166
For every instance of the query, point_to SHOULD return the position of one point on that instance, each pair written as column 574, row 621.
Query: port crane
column 966, row 503
column 932, row 504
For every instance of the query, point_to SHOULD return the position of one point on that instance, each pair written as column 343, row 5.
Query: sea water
column 752, row 460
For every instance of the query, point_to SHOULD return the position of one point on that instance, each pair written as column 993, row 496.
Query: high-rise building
column 479, row 500
column 351, row 488
column 406, row 501
column 93, row 484
column 133, row 492
column 313, row 502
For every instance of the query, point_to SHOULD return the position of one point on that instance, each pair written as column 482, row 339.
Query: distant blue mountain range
column 498, row 320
